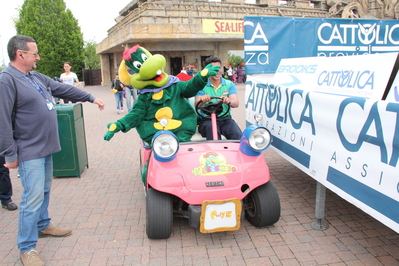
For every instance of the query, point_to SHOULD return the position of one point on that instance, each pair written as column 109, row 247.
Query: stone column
column 223, row 52
column 105, row 70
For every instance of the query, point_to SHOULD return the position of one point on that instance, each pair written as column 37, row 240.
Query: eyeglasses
column 29, row 52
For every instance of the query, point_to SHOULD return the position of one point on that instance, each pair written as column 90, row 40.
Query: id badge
column 50, row 105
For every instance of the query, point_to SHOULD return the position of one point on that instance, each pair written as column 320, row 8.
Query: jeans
column 129, row 93
column 119, row 100
column 5, row 183
column 36, row 178
column 226, row 126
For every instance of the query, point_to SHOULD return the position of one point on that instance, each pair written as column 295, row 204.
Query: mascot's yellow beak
column 166, row 112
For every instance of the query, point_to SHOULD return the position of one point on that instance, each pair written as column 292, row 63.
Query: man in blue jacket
column 29, row 136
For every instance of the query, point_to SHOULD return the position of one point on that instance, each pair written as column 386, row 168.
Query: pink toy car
column 212, row 183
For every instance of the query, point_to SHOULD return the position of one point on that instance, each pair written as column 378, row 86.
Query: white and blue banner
column 370, row 76
column 327, row 118
column 267, row 40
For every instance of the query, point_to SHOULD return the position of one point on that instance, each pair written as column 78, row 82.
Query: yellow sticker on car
column 213, row 163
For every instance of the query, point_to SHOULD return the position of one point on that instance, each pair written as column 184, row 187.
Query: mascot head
column 149, row 69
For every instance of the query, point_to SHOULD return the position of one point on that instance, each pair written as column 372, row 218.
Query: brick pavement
column 106, row 210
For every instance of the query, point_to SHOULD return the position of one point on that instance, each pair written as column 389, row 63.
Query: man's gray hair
column 18, row 42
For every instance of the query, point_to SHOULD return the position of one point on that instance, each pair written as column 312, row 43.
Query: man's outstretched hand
column 100, row 104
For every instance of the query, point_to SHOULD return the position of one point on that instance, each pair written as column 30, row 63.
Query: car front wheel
column 159, row 214
column 262, row 205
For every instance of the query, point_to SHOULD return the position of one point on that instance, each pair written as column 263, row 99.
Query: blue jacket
column 36, row 128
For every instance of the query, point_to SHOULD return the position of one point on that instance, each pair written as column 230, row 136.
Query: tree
column 57, row 34
column 235, row 60
column 92, row 60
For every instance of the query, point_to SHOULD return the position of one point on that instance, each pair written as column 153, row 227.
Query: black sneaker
column 11, row 206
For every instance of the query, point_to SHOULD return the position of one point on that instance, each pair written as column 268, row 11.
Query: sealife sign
column 222, row 26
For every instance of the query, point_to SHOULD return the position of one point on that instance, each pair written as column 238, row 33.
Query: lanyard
column 37, row 86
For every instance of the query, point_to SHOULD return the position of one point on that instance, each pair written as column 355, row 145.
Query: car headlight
column 254, row 140
column 165, row 146
column 260, row 138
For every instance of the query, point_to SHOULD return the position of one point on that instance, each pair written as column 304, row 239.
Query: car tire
column 159, row 214
column 262, row 205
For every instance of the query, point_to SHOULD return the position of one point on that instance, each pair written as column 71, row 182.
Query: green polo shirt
column 226, row 88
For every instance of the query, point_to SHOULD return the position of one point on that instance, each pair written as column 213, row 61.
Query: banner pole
column 319, row 208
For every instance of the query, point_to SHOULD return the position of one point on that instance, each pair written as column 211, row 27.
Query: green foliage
column 57, row 34
column 235, row 60
column 92, row 60
column 2, row 67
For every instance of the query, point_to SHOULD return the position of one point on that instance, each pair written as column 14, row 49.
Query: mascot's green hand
column 210, row 70
column 112, row 129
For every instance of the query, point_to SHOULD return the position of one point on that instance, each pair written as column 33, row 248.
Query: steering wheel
column 212, row 107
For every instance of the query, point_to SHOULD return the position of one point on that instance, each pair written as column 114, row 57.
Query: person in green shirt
column 219, row 87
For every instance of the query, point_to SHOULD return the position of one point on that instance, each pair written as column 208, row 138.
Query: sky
column 94, row 18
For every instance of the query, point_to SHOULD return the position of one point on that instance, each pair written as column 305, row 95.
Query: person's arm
column 8, row 146
column 133, row 119
column 67, row 91
column 77, row 82
column 121, row 85
column 193, row 86
column 233, row 98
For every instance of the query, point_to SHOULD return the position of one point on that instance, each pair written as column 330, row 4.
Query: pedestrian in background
column 69, row 77
column 118, row 88
column 129, row 93
column 225, row 71
column 190, row 71
column 6, row 187
column 184, row 70
column 29, row 137
column 240, row 75
column 230, row 73
column 234, row 76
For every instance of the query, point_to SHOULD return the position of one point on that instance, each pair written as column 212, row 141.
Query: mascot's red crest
column 127, row 54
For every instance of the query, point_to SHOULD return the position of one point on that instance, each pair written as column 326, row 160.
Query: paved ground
column 106, row 210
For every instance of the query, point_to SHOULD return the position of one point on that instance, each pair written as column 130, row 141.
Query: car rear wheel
column 159, row 214
column 262, row 205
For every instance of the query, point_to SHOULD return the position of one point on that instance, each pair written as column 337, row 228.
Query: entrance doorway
column 175, row 65
column 203, row 58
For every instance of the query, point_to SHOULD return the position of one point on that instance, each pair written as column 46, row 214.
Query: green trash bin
column 72, row 159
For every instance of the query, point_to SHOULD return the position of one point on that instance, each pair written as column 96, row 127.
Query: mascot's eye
column 137, row 64
column 144, row 57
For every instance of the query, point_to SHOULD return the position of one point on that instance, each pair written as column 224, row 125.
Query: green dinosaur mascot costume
column 160, row 96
